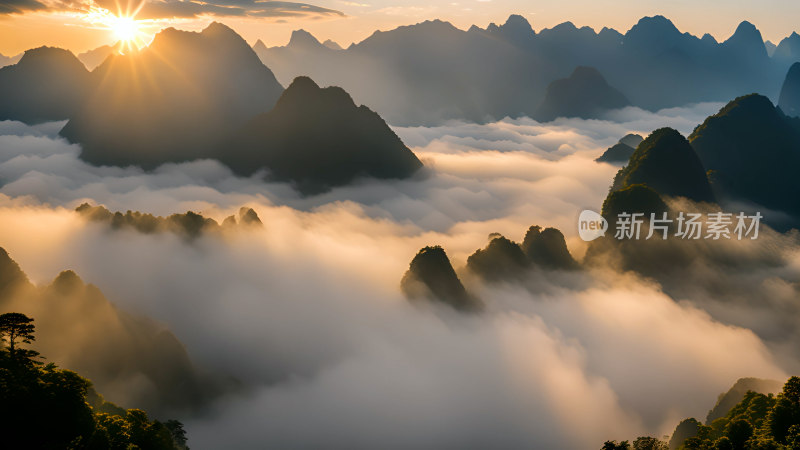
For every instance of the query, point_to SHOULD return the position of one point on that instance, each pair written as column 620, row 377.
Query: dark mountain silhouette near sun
column 666, row 162
column 318, row 138
column 585, row 94
column 622, row 151
column 93, row 58
column 431, row 277
column 173, row 101
column 753, row 150
column 46, row 84
column 789, row 101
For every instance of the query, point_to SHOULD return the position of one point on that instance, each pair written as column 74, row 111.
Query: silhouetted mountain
column 736, row 393
column 332, row 45
column 585, row 94
column 431, row 71
column 11, row 276
column 8, row 60
column 172, row 101
column 618, row 153
column 753, row 150
column 132, row 359
column 426, row 73
column 622, row 151
column 666, row 162
column 431, row 276
column 686, row 429
column 787, row 52
column 318, row 138
column 502, row 259
column 632, row 140
column 46, row 84
column 93, row 58
column 747, row 43
column 790, row 92
column 259, row 46
column 302, row 39
column 771, row 47
column 505, row 260
column 547, row 249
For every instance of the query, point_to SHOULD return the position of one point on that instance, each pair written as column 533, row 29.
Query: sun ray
column 124, row 27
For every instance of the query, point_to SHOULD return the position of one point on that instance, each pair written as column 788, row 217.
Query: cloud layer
column 306, row 312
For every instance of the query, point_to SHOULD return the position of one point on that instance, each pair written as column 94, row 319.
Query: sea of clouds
column 307, row 315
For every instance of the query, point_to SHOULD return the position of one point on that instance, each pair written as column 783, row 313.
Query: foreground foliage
column 757, row 422
column 42, row 406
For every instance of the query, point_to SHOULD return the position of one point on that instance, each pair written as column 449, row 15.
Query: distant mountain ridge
column 655, row 64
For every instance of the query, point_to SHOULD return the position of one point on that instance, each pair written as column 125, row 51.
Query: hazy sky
column 29, row 23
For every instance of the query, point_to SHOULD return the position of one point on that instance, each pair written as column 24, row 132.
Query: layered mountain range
column 443, row 72
column 191, row 96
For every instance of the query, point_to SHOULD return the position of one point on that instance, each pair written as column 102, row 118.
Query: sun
column 125, row 29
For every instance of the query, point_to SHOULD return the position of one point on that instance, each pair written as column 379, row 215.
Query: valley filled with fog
column 306, row 314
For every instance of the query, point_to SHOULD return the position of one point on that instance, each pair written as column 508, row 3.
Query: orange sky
column 775, row 19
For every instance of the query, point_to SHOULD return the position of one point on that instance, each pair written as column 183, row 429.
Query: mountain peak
column 67, row 282
column 517, row 23
column 331, row 44
column 49, row 55
column 317, row 138
column 746, row 27
column 666, row 162
column 302, row 38
column 259, row 46
column 302, row 83
column 430, row 275
column 708, row 38
column 747, row 37
column 11, row 275
column 217, row 27
column 654, row 24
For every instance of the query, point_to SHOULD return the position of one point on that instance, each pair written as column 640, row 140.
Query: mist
column 307, row 315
